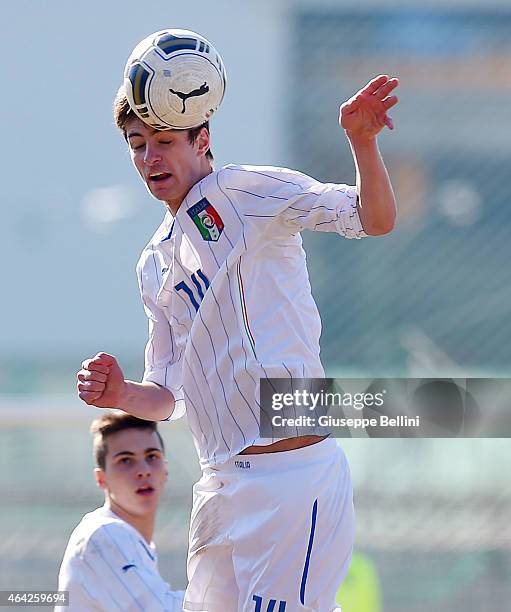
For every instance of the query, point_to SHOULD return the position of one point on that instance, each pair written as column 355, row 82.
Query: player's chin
column 163, row 195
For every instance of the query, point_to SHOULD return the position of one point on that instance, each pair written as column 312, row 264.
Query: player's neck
column 143, row 524
column 205, row 169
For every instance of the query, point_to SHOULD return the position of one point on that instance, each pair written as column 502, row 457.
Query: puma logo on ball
column 203, row 89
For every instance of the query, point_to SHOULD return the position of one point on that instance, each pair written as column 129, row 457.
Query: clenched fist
column 101, row 381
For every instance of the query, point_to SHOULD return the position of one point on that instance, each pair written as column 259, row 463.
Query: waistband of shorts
column 277, row 461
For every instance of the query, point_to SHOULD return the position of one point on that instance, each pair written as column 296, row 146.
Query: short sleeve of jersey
column 292, row 201
column 111, row 574
column 163, row 361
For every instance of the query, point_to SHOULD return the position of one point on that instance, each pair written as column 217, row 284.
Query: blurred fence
column 434, row 296
column 433, row 515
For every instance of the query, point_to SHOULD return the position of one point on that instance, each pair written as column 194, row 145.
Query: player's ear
column 202, row 142
column 99, row 475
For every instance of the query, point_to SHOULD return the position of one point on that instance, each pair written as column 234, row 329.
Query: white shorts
column 271, row 532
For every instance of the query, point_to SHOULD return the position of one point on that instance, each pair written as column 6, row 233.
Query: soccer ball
column 174, row 79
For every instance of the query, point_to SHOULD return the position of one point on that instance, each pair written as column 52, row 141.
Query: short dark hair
column 113, row 422
column 123, row 113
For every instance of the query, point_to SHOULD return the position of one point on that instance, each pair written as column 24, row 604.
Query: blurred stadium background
column 431, row 299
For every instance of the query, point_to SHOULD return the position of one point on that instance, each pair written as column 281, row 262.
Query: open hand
column 364, row 115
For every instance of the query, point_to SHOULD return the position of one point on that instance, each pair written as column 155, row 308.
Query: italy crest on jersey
column 207, row 220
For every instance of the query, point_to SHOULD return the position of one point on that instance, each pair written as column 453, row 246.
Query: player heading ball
column 225, row 287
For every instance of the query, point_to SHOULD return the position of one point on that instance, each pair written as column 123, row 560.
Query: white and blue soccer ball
column 174, row 79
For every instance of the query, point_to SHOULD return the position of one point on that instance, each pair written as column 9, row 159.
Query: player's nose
column 144, row 470
column 151, row 155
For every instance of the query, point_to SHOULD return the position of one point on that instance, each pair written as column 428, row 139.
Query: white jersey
column 109, row 566
column 227, row 293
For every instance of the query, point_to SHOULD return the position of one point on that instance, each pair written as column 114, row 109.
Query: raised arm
column 363, row 117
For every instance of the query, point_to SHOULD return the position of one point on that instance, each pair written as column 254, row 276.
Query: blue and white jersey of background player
column 227, row 293
column 109, row 566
